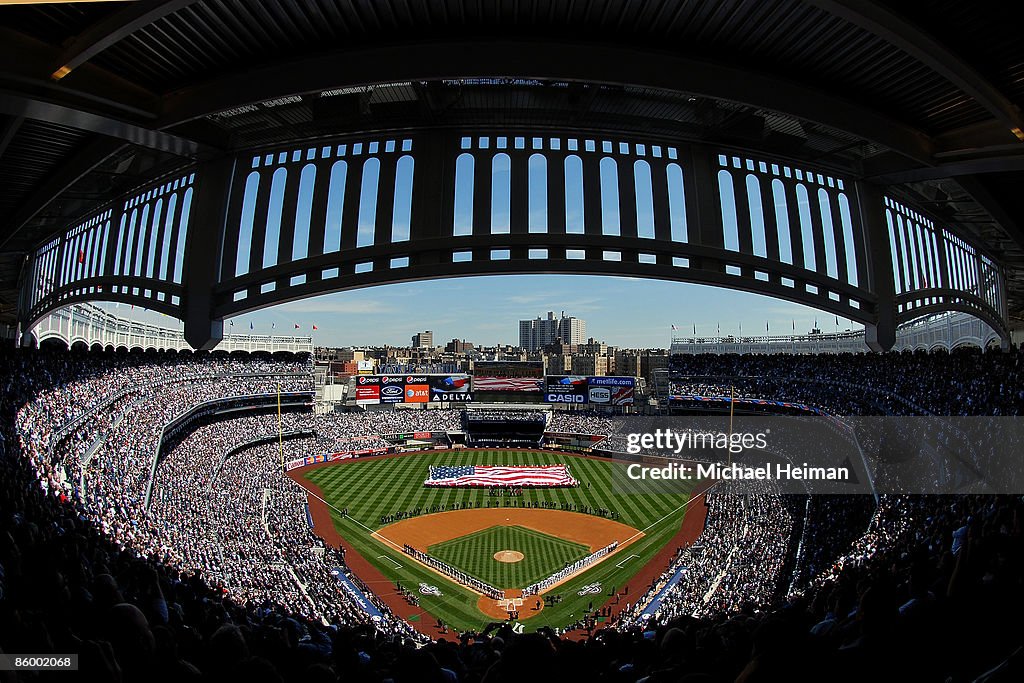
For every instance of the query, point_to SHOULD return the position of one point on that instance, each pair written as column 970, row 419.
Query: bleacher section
column 494, row 426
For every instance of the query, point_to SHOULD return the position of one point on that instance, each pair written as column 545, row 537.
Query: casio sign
column 392, row 390
column 600, row 395
column 565, row 398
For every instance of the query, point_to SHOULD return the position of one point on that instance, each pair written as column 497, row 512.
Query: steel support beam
column 880, row 335
column 111, row 29
column 9, row 130
column 17, row 104
column 202, row 254
column 1007, row 163
column 68, row 174
column 898, row 31
column 549, row 60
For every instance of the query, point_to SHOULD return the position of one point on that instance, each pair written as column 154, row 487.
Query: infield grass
column 543, row 555
column 374, row 488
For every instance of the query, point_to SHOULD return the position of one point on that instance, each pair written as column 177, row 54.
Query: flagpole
column 280, row 432
column 732, row 408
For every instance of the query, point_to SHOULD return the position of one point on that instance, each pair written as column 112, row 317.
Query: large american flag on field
column 474, row 475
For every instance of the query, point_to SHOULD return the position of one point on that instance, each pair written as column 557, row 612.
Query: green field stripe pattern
column 373, row 488
column 543, row 555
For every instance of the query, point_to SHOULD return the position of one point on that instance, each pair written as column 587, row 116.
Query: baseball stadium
column 219, row 462
column 507, row 543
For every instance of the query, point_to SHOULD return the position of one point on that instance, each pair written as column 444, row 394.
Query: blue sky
column 629, row 312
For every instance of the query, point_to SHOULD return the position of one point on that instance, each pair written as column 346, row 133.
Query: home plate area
column 513, row 605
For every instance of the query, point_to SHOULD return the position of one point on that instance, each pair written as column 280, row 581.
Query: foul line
column 391, row 560
column 353, row 519
column 619, row 565
column 657, row 522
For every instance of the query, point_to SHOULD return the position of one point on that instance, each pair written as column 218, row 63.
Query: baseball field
column 379, row 505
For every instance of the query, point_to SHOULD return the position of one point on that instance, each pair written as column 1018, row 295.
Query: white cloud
column 338, row 306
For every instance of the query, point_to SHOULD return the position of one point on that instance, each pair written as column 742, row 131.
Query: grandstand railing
column 68, row 427
column 942, row 331
column 92, row 325
column 207, row 408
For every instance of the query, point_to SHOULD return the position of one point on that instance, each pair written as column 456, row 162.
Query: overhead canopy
column 96, row 98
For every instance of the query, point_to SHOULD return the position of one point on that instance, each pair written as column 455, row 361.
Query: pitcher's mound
column 508, row 556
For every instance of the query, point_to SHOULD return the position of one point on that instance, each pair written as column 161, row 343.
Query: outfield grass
column 543, row 555
column 373, row 488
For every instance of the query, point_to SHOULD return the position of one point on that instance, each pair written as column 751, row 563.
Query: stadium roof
column 95, row 98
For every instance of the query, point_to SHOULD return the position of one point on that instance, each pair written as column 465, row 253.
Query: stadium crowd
column 961, row 383
column 736, row 562
column 932, row 589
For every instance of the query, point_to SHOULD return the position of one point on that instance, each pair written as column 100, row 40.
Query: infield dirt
column 592, row 532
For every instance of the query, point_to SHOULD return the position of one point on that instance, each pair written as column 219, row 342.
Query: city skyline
column 537, row 333
column 624, row 312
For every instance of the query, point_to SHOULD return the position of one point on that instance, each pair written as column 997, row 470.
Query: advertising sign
column 374, row 389
column 598, row 391
column 392, row 393
column 565, row 389
column 367, row 389
column 615, row 391
column 417, row 393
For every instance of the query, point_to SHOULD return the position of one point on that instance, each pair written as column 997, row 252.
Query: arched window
column 758, row 237
column 537, row 171
column 848, row 242
column 727, row 198
column 154, row 233
column 676, row 202
column 272, row 239
column 610, row 224
column 303, row 212
column 165, row 254
column 120, row 244
column 464, row 169
column 828, row 233
column 179, row 255
column 643, row 187
column 803, row 204
column 401, row 218
column 501, row 194
column 574, row 212
column 130, row 244
column 335, row 207
column 782, row 222
column 252, row 188
column 367, row 224
column 140, row 243
column 895, row 253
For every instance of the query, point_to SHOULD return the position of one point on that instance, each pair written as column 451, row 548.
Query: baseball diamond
column 542, row 554
column 388, row 507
